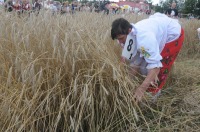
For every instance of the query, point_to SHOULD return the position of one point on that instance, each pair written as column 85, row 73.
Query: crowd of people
column 21, row 6
column 36, row 5
column 66, row 7
column 18, row 6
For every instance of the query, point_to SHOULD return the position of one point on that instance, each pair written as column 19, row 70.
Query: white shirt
column 151, row 36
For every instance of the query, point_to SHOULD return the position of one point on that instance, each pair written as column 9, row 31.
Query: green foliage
column 158, row 8
column 189, row 6
column 148, row 1
column 197, row 8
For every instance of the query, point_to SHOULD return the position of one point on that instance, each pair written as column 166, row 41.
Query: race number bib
column 129, row 50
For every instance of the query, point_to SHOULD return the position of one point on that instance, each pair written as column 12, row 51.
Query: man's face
column 173, row 5
column 122, row 38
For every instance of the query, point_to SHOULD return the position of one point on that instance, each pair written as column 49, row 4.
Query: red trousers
column 169, row 54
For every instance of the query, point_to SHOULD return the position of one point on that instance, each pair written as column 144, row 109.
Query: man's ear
column 129, row 30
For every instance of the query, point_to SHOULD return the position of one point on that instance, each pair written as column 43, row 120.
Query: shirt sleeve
column 149, row 49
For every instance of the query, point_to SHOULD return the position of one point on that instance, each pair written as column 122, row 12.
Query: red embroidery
column 169, row 55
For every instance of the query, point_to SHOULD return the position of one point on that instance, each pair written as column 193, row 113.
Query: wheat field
column 63, row 73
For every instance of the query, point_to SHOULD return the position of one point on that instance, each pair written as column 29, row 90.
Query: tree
column 180, row 5
column 158, row 8
column 197, row 8
column 189, row 6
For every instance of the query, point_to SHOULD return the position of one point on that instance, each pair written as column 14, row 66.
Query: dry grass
column 62, row 73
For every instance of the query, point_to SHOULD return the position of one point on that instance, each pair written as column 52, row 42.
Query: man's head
column 120, row 29
column 173, row 5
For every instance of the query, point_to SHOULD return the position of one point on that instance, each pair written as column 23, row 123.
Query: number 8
column 130, row 45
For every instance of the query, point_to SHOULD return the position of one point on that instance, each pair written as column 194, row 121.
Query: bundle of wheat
column 62, row 73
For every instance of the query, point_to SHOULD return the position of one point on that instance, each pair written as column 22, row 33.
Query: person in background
column 37, row 6
column 158, row 41
column 25, row 6
column 17, row 6
column 73, row 7
column 65, row 8
column 8, row 5
column 172, row 12
column 148, row 12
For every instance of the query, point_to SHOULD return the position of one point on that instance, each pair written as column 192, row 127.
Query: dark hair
column 120, row 26
column 10, row 9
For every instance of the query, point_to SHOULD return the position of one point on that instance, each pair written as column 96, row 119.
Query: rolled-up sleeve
column 154, row 65
column 149, row 49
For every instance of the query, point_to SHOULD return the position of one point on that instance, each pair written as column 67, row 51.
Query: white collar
column 134, row 30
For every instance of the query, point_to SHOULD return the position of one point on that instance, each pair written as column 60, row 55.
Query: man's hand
column 151, row 76
column 139, row 93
